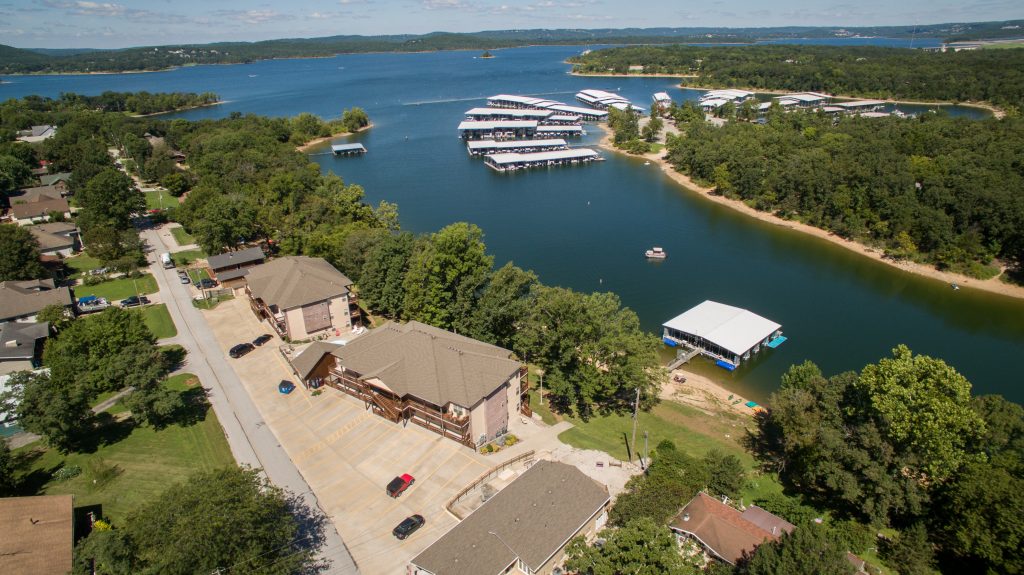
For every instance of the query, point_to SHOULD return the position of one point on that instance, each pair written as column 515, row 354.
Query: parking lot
column 348, row 455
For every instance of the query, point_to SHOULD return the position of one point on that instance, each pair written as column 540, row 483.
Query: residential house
column 21, row 345
column 22, row 300
column 37, row 133
column 59, row 181
column 456, row 386
column 38, row 534
column 301, row 296
column 230, row 268
column 56, row 238
column 32, row 205
column 725, row 532
column 524, row 528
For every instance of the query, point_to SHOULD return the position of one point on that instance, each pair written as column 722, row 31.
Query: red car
column 399, row 484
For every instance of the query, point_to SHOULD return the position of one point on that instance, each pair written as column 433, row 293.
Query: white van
column 165, row 259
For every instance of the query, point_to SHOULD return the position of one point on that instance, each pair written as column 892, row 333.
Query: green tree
column 672, row 479
column 49, row 408
column 14, row 173
column 8, row 481
column 19, row 254
column 176, row 183
column 355, row 119
column 910, row 552
column 446, row 274
column 808, row 550
column 56, row 315
column 382, row 279
column 150, row 401
column 504, row 303
column 726, row 472
column 109, row 244
column 223, row 520
column 640, row 547
column 110, row 197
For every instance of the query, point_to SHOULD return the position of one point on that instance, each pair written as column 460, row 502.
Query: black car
column 262, row 339
column 134, row 301
column 206, row 283
column 240, row 350
column 408, row 526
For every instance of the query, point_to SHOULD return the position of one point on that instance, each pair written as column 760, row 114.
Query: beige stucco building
column 301, row 297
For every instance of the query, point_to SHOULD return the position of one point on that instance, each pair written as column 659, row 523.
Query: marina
column 729, row 335
column 529, row 102
column 486, row 114
column 603, row 100
column 496, row 130
column 485, row 147
column 512, row 161
column 347, row 149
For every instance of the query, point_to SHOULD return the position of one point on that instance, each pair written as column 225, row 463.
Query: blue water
column 587, row 227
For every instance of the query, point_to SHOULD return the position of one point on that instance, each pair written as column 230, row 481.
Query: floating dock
column 603, row 100
column 498, row 130
column 485, row 147
column 727, row 334
column 485, row 114
column 510, row 162
column 528, row 102
column 560, row 131
column 347, row 149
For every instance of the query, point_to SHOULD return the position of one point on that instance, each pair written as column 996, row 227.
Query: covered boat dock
column 560, row 131
column 347, row 149
column 727, row 334
column 485, row 147
column 501, row 129
column 516, row 161
column 485, row 114
column 528, row 102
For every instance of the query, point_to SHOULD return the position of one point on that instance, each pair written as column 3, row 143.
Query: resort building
column 523, row 529
column 233, row 266
column 724, row 532
column 512, row 161
column 458, row 387
column 301, row 296
column 22, row 300
column 484, row 147
column 725, row 333
column 38, row 535
column 662, row 100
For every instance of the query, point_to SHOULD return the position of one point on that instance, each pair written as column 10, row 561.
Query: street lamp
column 540, row 372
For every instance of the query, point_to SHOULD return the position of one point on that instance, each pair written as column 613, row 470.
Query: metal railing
column 525, row 457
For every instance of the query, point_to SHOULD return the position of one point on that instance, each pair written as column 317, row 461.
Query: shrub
column 511, row 440
column 67, row 472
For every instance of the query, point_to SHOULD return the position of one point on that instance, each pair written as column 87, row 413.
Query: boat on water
column 647, row 163
column 656, row 253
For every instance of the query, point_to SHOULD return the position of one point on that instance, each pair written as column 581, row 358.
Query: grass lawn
column 186, row 257
column 119, row 288
column 211, row 302
column 159, row 321
column 182, row 237
column 199, row 274
column 81, row 263
column 145, row 461
column 154, row 201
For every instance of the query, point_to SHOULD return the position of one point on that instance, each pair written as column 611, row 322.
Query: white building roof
column 727, row 94
column 732, row 328
column 514, row 144
column 804, row 97
column 347, row 147
column 497, row 125
column 662, row 97
column 508, row 112
column 860, row 104
column 713, row 103
column 577, row 110
column 512, row 157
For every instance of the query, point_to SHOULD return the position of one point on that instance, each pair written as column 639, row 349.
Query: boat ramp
column 485, row 147
column 512, row 161
column 347, row 149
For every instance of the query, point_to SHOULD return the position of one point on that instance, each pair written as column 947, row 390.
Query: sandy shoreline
column 993, row 285
column 314, row 143
column 700, row 391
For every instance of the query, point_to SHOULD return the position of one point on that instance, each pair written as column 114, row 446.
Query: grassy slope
column 182, row 237
column 159, row 321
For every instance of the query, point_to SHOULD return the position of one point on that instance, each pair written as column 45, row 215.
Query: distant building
column 523, row 529
column 33, row 205
column 37, row 133
column 300, row 296
column 38, row 534
column 233, row 266
column 21, row 345
column 724, row 532
column 22, row 300
column 58, row 181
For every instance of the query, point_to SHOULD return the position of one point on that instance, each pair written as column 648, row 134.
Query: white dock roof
column 513, row 157
column 497, row 124
column 577, row 110
column 513, row 144
column 732, row 328
column 662, row 97
column 559, row 129
column 727, row 94
column 347, row 148
column 564, row 118
column 508, row 112
column 713, row 103
column 804, row 97
column 860, row 104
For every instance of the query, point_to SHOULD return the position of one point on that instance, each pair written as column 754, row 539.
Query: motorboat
column 656, row 253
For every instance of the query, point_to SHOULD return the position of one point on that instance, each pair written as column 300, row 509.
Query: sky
column 119, row 24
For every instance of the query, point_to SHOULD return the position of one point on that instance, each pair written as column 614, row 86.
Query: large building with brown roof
column 22, row 300
column 522, row 529
column 300, row 296
column 459, row 387
column 38, row 535
column 725, row 532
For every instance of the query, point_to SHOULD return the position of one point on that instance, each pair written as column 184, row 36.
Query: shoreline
column 702, row 392
column 217, row 103
column 317, row 141
column 992, row 285
column 610, row 75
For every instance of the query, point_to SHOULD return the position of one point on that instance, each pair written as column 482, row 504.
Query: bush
column 511, row 440
column 67, row 472
column 92, row 280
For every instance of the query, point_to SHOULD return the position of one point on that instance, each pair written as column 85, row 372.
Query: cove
column 587, row 227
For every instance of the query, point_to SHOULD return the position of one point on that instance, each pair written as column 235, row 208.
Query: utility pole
column 636, row 406
column 646, row 460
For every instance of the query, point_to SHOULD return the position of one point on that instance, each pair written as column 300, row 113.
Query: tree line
column 995, row 76
column 936, row 189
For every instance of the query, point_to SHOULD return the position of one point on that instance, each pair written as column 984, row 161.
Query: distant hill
column 21, row 61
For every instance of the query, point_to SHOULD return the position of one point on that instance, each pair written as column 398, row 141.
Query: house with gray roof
column 524, row 528
column 37, row 133
column 301, row 297
column 22, row 300
column 234, row 265
column 58, row 181
column 21, row 345
column 30, row 209
column 56, row 238
column 456, row 386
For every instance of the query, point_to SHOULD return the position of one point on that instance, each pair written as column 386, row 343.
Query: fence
column 526, row 457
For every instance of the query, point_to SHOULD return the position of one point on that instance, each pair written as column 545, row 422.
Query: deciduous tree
column 47, row 407
column 640, row 547
column 808, row 550
column 19, row 254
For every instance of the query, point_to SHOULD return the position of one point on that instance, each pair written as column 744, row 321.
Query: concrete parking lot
column 348, row 455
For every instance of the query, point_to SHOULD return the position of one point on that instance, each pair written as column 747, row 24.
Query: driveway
column 348, row 455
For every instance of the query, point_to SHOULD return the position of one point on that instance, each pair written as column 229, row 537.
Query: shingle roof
column 20, row 298
column 39, row 208
column 429, row 363
column 38, row 534
column 307, row 360
column 23, row 336
column 530, row 519
column 228, row 275
column 295, row 281
column 49, row 239
column 722, row 529
column 240, row 257
column 51, row 179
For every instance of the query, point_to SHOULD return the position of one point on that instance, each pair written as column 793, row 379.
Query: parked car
column 262, row 339
column 408, row 526
column 184, row 278
column 206, row 283
column 399, row 484
column 134, row 301
column 286, row 386
column 240, row 350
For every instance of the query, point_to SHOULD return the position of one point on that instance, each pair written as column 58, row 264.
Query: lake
column 587, row 227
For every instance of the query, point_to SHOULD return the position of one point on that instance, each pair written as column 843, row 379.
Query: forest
column 27, row 61
column 995, row 76
column 935, row 189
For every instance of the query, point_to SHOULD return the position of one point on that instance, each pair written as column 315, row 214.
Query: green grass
column 182, row 237
column 159, row 321
column 211, row 302
column 119, row 288
column 154, row 201
column 81, row 263
column 183, row 258
column 655, row 147
column 198, row 274
column 147, row 461
column 544, row 411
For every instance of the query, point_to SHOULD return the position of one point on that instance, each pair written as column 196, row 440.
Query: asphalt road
column 252, row 442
